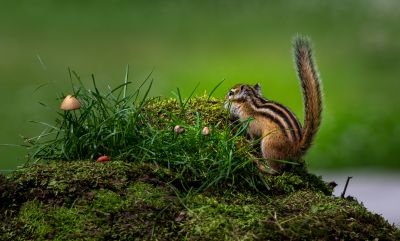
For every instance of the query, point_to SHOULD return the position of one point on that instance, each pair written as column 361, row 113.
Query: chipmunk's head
column 241, row 92
column 238, row 94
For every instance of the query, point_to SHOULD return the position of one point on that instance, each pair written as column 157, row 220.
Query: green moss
column 107, row 201
column 39, row 221
column 310, row 214
column 165, row 110
column 302, row 215
column 208, row 218
column 148, row 194
column 133, row 211
column 124, row 201
column 34, row 220
column 71, row 223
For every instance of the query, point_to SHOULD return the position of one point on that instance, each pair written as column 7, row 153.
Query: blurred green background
column 357, row 48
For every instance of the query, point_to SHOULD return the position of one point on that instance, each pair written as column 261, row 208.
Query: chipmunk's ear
column 257, row 87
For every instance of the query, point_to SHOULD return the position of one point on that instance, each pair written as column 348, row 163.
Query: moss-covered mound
column 166, row 185
column 85, row 200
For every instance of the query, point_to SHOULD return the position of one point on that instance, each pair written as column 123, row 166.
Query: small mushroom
column 179, row 129
column 70, row 103
column 103, row 159
column 181, row 216
column 205, row 131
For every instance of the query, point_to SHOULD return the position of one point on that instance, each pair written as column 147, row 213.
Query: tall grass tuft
column 106, row 124
column 130, row 126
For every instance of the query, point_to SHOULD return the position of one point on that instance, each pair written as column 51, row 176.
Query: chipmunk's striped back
column 283, row 137
column 279, row 114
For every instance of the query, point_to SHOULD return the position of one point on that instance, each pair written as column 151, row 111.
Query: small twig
column 345, row 187
column 277, row 222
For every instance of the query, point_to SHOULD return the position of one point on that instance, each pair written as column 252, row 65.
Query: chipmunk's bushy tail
column 310, row 84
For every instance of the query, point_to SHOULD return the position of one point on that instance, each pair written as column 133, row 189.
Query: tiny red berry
column 103, row 159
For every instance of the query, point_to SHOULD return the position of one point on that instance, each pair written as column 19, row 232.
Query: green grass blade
column 180, row 98
column 214, row 89
column 190, row 96
column 45, row 124
column 41, row 62
column 77, row 77
column 146, row 94
column 124, row 86
column 136, row 93
column 126, row 80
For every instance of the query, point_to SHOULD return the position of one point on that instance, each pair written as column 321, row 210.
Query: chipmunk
column 281, row 134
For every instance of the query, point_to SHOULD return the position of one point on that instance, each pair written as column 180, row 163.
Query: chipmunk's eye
column 231, row 93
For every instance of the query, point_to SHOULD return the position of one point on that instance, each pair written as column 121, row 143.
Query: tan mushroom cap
column 70, row 103
column 205, row 131
column 179, row 129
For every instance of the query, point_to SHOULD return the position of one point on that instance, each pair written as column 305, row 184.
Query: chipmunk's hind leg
column 273, row 151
